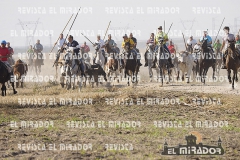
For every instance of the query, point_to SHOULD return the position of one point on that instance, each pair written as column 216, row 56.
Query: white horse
column 72, row 70
column 185, row 65
column 100, row 59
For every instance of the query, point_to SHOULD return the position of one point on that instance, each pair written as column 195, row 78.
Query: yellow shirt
column 130, row 41
column 161, row 34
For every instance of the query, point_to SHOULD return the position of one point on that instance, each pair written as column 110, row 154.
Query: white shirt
column 197, row 47
column 191, row 42
column 227, row 37
column 101, row 43
column 60, row 43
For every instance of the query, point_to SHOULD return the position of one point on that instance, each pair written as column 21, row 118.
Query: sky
column 139, row 17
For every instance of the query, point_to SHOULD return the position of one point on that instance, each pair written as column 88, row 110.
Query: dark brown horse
column 131, row 67
column 37, row 62
column 232, row 62
column 4, row 77
column 20, row 70
column 207, row 59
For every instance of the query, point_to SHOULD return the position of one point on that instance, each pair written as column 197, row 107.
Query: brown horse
column 232, row 62
column 37, row 60
column 20, row 70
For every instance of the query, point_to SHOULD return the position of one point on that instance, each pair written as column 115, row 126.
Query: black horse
column 162, row 61
column 131, row 67
column 207, row 59
column 4, row 77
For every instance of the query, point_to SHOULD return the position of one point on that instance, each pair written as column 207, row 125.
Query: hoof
column 14, row 92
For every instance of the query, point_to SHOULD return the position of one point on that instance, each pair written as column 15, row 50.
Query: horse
column 185, row 64
column 20, row 71
column 30, row 62
column 112, row 66
column 162, row 61
column 4, row 77
column 232, row 63
column 100, row 59
column 206, row 60
column 131, row 67
column 73, row 70
column 37, row 60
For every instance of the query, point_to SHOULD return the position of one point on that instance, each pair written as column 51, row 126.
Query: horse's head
column 160, row 40
column 204, row 44
column 127, row 46
column 97, row 46
column 231, row 44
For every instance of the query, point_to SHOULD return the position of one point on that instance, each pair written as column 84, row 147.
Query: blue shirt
column 209, row 39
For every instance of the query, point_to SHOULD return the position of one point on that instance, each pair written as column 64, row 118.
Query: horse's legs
column 200, row 73
column 73, row 84
column 229, row 76
column 178, row 72
column 236, row 77
column 214, row 69
column 233, row 79
column 14, row 91
column 161, row 75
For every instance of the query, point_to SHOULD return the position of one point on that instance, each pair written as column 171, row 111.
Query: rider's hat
column 160, row 27
column 3, row 42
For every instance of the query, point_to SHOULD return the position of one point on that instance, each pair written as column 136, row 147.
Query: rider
column 208, row 38
column 190, row 44
column 134, row 40
column 101, row 45
column 217, row 46
column 60, row 42
column 226, row 38
column 171, row 47
column 38, row 49
column 74, row 44
column 151, row 45
column 112, row 44
column 160, row 34
column 125, row 40
column 4, row 54
column 11, row 52
column 196, row 49
column 237, row 44
column 85, row 47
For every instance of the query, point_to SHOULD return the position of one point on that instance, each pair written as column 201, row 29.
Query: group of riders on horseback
column 156, row 45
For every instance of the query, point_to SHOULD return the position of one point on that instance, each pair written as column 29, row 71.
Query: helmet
column 3, row 42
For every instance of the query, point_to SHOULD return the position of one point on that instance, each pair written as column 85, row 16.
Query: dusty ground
column 147, row 140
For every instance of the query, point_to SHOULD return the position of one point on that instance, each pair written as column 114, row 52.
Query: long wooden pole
column 106, row 30
column 218, row 31
column 66, row 37
column 61, row 33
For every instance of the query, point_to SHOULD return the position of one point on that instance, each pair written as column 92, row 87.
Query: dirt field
column 101, row 106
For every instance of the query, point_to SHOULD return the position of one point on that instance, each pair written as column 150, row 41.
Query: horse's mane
column 231, row 48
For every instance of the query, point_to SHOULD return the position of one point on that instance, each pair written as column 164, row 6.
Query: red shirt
column 171, row 48
column 4, row 52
